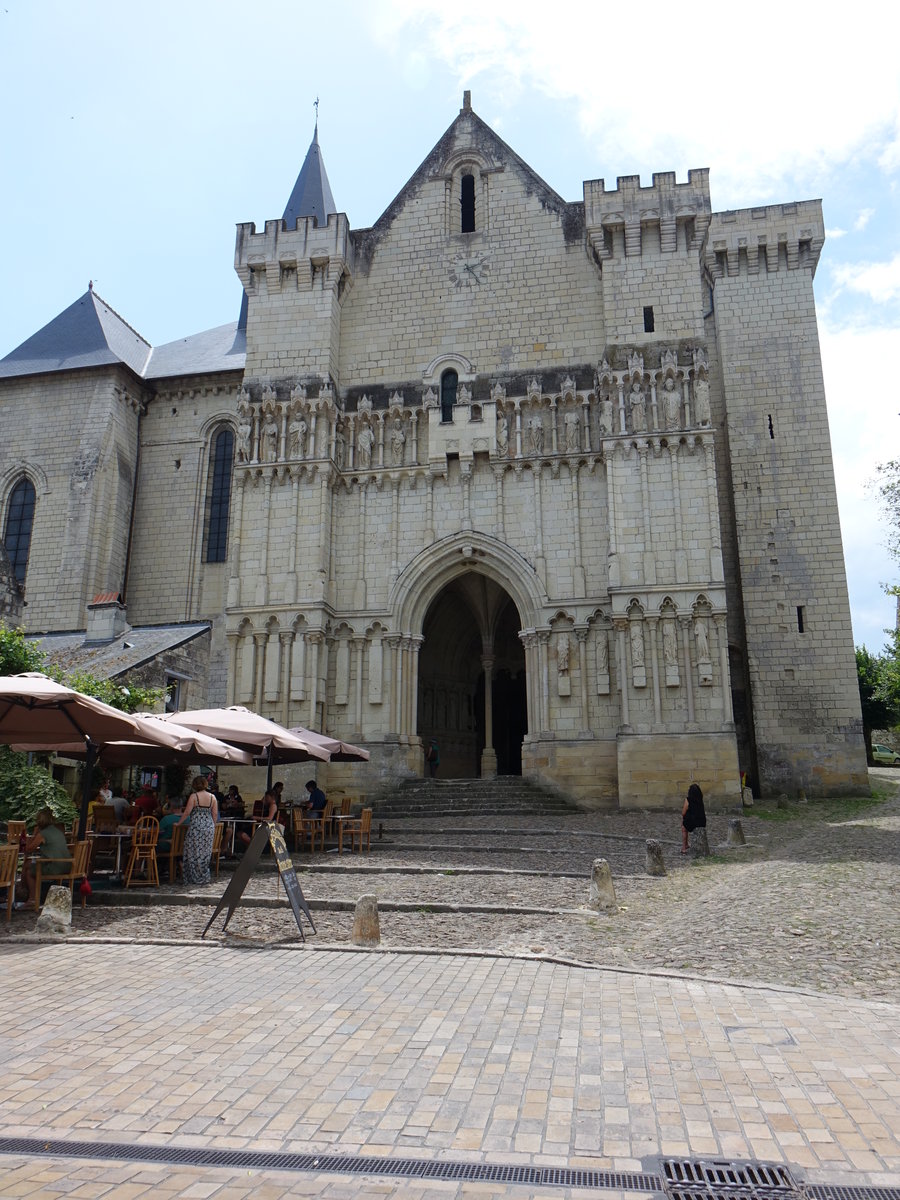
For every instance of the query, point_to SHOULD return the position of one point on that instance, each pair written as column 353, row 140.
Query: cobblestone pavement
column 810, row 902
column 673, row 1052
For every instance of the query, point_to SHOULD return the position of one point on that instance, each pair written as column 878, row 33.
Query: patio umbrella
column 339, row 751
column 38, row 712
column 263, row 738
column 171, row 744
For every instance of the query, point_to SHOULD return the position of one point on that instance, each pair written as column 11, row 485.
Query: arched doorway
column 471, row 656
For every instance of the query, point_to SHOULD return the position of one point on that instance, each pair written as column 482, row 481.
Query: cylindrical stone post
column 655, row 864
column 736, row 833
column 603, row 894
column 699, row 842
column 366, row 928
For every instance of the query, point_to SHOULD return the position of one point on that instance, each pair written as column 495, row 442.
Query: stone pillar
column 721, row 625
column 653, row 622
column 359, row 644
column 315, row 639
column 234, row 582
column 500, row 520
column 285, row 638
column 394, row 643
column 488, row 754
column 234, row 646
column 518, row 412
column 603, row 893
column 582, row 635
column 621, row 628
column 685, row 624
column 543, row 636
column 259, row 659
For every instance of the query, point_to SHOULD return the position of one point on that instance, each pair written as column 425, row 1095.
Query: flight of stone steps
column 507, row 794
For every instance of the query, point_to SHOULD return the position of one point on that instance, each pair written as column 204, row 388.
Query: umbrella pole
column 269, row 771
column 90, row 759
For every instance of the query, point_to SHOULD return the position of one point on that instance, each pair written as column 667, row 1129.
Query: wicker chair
column 174, row 855
column 9, row 857
column 78, row 868
column 218, row 838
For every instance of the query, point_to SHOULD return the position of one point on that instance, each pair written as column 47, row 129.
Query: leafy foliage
column 879, row 688
column 25, row 790
column 888, row 489
column 128, row 697
column 16, row 654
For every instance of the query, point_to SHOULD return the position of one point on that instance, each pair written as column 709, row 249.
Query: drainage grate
column 718, row 1179
column 826, row 1191
column 343, row 1164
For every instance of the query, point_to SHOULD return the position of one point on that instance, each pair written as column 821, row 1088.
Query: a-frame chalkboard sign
column 266, row 833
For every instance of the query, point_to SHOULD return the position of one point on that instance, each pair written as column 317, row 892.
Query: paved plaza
column 500, row 1057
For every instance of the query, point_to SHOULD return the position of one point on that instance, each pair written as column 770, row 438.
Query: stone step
column 507, row 796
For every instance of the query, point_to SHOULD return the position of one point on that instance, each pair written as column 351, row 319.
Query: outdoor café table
column 121, row 835
column 234, row 822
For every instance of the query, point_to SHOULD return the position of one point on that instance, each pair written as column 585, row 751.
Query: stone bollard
column 366, row 928
column 602, row 894
column 746, row 797
column 56, row 915
column 654, row 862
column 736, row 833
column 782, row 801
column 699, row 842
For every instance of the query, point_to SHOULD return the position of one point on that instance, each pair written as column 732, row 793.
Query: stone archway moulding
column 432, row 569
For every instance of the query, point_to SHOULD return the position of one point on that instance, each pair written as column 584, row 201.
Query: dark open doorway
column 471, row 626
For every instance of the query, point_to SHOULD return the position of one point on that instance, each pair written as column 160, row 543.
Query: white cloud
column 863, row 219
column 880, row 281
column 835, row 233
column 652, row 106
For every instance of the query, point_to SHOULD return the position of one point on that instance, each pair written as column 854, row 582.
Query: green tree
column 17, row 654
column 879, row 696
column 888, row 489
column 26, row 789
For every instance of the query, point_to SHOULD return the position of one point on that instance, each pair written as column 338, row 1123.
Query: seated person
column 233, row 804
column 166, row 823
column 315, row 805
column 50, row 843
column 263, row 811
column 122, row 807
column 146, row 805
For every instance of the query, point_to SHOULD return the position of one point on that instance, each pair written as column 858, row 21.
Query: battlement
column 750, row 241
column 629, row 206
column 279, row 252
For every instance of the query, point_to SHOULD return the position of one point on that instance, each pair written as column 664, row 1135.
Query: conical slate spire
column 311, row 196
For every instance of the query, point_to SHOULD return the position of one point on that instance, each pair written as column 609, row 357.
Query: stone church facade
column 549, row 481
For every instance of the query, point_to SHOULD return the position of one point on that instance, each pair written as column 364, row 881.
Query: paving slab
column 439, row 1056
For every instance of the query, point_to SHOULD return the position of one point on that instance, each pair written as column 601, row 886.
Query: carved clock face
column 469, row 270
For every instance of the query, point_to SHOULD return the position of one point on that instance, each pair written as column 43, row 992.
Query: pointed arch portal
column 472, row 694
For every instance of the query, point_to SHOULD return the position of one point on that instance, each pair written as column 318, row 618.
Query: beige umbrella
column 241, row 727
column 36, row 711
column 171, row 744
column 339, row 751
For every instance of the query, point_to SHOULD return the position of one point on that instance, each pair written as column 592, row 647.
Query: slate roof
column 87, row 334
column 220, row 349
column 126, row 652
column 311, row 196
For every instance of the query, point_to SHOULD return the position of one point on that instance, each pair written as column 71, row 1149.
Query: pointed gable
column 311, row 196
column 87, row 334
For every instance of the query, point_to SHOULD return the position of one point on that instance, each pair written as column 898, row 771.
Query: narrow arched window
column 449, row 381
column 219, row 495
column 467, row 204
column 19, row 520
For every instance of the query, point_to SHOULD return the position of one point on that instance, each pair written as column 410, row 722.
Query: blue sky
column 136, row 136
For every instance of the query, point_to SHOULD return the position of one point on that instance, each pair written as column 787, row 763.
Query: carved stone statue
column 339, row 448
column 701, row 402
column 562, row 653
column 366, row 442
column 638, row 404
column 637, row 644
column 270, row 439
column 602, row 652
column 573, row 429
column 502, row 434
column 244, row 431
column 297, row 432
column 398, row 441
column 606, row 414
column 670, row 643
column 701, row 634
column 671, row 398
column 536, row 435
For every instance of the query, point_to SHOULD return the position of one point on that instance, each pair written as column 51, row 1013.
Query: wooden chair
column 218, row 838
column 316, row 827
column 77, row 870
column 14, row 830
column 9, row 857
column 359, row 830
column 143, row 850
column 175, row 854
